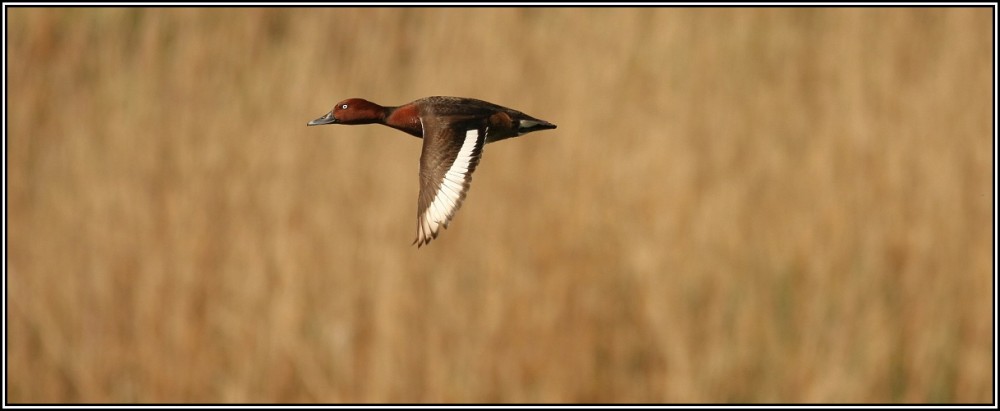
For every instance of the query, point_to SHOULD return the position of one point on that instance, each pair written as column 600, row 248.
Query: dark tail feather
column 527, row 126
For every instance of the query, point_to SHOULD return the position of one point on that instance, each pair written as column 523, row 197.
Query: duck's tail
column 534, row 124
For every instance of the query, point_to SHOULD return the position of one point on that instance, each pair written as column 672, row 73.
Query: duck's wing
column 450, row 154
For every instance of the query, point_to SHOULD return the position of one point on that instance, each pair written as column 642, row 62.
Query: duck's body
column 454, row 130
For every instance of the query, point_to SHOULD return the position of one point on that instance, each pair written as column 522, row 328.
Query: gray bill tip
column 327, row 119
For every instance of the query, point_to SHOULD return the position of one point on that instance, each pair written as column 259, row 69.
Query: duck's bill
column 326, row 119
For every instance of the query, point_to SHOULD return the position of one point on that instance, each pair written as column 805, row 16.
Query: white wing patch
column 449, row 193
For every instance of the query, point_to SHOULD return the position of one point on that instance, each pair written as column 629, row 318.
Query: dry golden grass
column 739, row 205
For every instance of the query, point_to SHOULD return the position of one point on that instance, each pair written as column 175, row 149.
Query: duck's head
column 352, row 111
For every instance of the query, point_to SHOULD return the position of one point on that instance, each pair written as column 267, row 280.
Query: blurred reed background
column 739, row 205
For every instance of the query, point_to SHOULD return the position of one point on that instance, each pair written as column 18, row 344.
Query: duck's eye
column 344, row 107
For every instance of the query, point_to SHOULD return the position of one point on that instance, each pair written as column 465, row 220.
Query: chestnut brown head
column 352, row 111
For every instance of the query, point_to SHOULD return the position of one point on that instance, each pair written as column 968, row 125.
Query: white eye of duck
column 344, row 107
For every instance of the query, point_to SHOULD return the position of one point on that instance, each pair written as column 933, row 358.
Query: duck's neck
column 405, row 118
